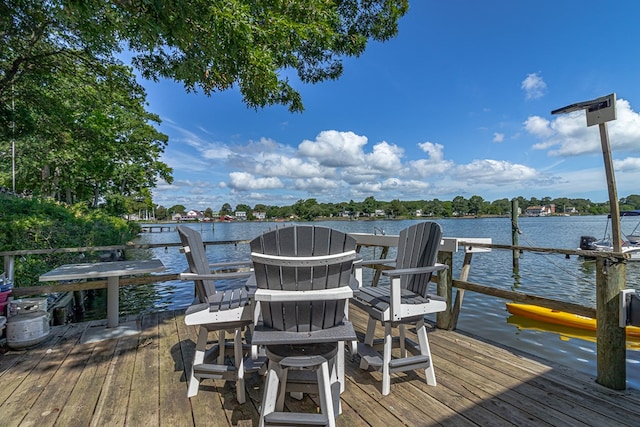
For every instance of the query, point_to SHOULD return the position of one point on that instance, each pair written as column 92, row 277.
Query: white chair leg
column 336, row 389
column 403, row 340
column 429, row 373
column 324, row 392
column 371, row 329
column 368, row 340
column 339, row 365
column 386, row 358
column 221, row 346
column 270, row 395
column 238, row 356
column 198, row 359
column 282, row 377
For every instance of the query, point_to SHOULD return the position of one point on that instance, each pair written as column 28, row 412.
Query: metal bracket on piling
column 629, row 308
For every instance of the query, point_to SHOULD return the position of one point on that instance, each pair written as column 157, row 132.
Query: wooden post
column 445, row 289
column 457, row 305
column 78, row 306
column 9, row 263
column 376, row 275
column 611, row 278
column 514, row 233
column 611, row 347
column 614, row 208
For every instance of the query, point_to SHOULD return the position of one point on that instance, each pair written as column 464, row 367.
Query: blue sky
column 458, row 104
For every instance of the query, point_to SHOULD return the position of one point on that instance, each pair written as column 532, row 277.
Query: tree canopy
column 208, row 45
column 77, row 115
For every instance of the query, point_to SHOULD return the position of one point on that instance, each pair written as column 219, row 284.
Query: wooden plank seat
column 405, row 301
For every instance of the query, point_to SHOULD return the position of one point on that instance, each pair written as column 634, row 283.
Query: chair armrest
column 215, row 276
column 273, row 295
column 246, row 263
column 377, row 261
column 411, row 271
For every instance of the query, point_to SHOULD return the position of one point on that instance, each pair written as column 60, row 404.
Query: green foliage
column 40, row 224
column 212, row 46
column 76, row 114
column 311, row 209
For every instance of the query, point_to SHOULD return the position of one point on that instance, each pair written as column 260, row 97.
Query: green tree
column 243, row 208
column 500, row 206
column 211, row 46
column 369, row 205
column 307, row 209
column 226, row 209
column 460, row 206
column 162, row 213
column 83, row 133
column 476, row 205
column 396, row 209
column 631, row 202
column 177, row 209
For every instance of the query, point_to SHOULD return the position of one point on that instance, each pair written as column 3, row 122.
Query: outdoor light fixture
column 611, row 276
column 599, row 112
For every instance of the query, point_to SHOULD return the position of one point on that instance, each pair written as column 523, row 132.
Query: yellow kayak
column 560, row 317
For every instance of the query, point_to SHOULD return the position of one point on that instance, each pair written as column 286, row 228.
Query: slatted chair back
column 418, row 247
column 196, row 255
column 303, row 258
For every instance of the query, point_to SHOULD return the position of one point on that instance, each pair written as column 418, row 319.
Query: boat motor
column 586, row 243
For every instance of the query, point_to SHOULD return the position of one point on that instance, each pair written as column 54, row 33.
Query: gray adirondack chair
column 405, row 301
column 304, row 277
column 215, row 310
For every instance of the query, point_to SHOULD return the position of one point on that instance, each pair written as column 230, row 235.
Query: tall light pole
column 610, row 272
column 13, row 141
column 599, row 112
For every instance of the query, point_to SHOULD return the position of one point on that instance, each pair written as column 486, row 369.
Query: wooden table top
column 102, row 269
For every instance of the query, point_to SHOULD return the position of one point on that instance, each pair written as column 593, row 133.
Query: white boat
column 630, row 242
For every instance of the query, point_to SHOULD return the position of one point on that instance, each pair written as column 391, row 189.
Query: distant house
column 418, row 212
column 260, row 216
column 379, row 212
column 540, row 210
column 193, row 215
column 241, row 215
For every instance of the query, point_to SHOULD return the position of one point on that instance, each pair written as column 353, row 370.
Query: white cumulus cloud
column 568, row 134
column 533, row 85
column 333, row 148
column 244, row 181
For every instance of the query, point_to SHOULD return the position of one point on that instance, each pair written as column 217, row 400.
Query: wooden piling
column 514, row 234
column 445, row 289
column 611, row 348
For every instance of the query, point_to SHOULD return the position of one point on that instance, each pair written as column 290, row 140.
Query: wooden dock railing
column 610, row 280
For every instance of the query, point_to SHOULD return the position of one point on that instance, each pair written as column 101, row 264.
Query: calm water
column 550, row 275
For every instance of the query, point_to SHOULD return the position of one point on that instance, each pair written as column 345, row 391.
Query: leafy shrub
column 27, row 224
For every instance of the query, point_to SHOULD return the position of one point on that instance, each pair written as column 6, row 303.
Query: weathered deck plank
column 173, row 388
column 80, row 406
column 141, row 380
column 45, row 410
column 144, row 408
column 46, row 364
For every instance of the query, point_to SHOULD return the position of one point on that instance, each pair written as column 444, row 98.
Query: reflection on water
column 564, row 333
column 549, row 275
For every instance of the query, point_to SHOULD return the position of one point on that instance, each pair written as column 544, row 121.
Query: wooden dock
column 140, row 381
column 156, row 228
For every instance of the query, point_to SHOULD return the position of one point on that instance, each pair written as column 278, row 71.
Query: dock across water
column 140, row 380
column 156, row 228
